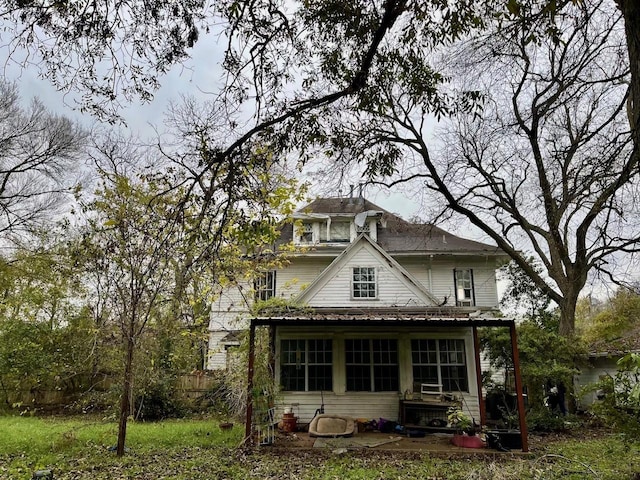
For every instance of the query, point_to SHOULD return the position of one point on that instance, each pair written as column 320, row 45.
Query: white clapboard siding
column 368, row 405
column 299, row 274
column 217, row 355
column 437, row 276
column 393, row 290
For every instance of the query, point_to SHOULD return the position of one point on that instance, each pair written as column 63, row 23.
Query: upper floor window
column 364, row 284
column 264, row 285
column 340, row 232
column 465, row 296
column 306, row 233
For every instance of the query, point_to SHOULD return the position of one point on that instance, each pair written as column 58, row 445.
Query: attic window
column 364, row 283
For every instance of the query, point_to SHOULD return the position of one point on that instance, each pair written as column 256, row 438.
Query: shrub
column 158, row 401
column 620, row 404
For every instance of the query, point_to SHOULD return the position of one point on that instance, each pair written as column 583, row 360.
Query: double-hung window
column 264, row 285
column 306, row 365
column 372, row 365
column 464, row 287
column 363, row 283
column 440, row 361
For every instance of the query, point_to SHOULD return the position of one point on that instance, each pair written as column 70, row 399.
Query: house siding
column 391, row 291
column 590, row 375
column 437, row 276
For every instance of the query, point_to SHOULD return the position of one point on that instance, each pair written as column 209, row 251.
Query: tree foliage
column 543, row 153
column 545, row 356
column 45, row 333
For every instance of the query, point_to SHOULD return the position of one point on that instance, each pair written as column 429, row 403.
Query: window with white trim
column 363, row 284
column 306, row 365
column 464, row 287
column 372, row 365
column 440, row 361
column 306, row 233
column 264, row 286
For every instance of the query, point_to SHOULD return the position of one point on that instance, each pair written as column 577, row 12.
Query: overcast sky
column 198, row 77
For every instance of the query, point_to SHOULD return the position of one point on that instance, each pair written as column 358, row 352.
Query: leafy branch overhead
column 540, row 97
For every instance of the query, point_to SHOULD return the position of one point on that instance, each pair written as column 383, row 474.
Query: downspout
column 518, row 379
column 248, row 422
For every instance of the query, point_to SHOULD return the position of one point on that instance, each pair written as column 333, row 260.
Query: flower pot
column 466, row 441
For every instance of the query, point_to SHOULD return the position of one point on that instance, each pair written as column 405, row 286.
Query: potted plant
column 459, row 420
column 465, row 435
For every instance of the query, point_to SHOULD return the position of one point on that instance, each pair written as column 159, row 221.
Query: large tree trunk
column 568, row 312
column 631, row 12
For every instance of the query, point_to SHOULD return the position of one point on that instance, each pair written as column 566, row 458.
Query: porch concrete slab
column 432, row 443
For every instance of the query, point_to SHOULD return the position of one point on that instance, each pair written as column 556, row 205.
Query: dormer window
column 306, row 233
column 340, row 231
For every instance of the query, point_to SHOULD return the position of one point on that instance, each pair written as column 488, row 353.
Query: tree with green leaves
column 153, row 254
column 45, row 333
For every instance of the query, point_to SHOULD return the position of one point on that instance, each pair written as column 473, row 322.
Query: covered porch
column 398, row 403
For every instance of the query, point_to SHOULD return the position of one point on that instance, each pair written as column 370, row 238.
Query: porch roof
column 378, row 317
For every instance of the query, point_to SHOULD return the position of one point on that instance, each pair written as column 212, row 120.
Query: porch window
column 440, row 361
column 306, row 365
column 364, row 283
column 372, row 365
column 465, row 296
column 264, row 286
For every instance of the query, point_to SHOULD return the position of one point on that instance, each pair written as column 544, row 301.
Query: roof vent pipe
column 351, row 187
column 360, row 185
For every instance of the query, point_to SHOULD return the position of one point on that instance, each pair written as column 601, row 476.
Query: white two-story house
column 391, row 308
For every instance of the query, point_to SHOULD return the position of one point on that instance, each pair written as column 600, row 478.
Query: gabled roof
column 393, row 266
column 396, row 235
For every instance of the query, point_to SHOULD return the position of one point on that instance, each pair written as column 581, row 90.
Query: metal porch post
column 476, row 348
column 518, row 379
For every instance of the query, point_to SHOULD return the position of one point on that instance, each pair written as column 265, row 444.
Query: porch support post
column 476, row 351
column 272, row 351
column 251, row 360
column 518, row 379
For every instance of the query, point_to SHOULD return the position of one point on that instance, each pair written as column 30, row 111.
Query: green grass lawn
column 78, row 448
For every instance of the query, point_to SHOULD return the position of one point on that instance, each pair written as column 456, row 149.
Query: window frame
column 306, row 363
column 367, row 282
column 463, row 281
column 264, row 286
column 371, row 365
column 333, row 226
column 440, row 363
